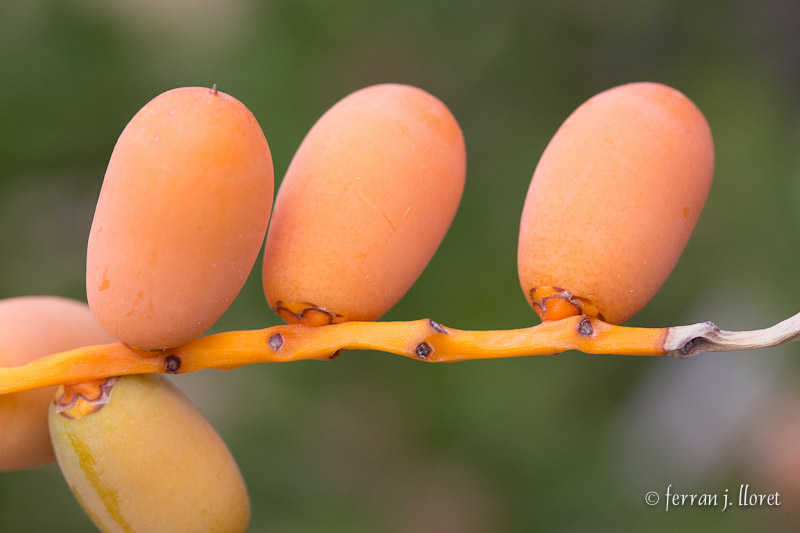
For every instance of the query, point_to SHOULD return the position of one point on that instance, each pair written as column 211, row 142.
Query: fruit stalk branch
column 423, row 340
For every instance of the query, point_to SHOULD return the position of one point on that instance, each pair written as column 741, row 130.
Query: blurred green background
column 373, row 442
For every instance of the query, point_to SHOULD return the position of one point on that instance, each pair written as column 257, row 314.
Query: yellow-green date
column 148, row 461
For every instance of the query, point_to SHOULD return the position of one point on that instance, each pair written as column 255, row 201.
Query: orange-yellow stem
column 420, row 339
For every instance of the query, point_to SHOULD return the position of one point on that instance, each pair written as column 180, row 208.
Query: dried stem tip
column 686, row 341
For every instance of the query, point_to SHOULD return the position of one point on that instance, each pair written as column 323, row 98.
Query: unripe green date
column 149, row 461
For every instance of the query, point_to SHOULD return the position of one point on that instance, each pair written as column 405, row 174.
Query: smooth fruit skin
column 615, row 198
column 149, row 461
column 366, row 200
column 32, row 327
column 181, row 218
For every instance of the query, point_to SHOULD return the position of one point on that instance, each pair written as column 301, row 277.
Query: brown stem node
column 275, row 341
column 438, row 328
column 423, row 350
column 172, row 364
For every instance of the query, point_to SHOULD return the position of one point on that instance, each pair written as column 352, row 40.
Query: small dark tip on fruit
column 276, row 341
column 336, row 354
column 423, row 350
column 437, row 327
column 172, row 363
column 585, row 328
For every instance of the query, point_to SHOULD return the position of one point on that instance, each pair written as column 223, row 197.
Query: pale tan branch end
column 686, row 341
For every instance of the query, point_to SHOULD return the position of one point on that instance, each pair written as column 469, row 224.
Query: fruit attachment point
column 555, row 303
column 307, row 314
column 77, row 400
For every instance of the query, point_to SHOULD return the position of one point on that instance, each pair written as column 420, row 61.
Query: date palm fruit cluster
column 372, row 190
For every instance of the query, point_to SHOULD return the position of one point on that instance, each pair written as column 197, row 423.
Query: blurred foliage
column 379, row 443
